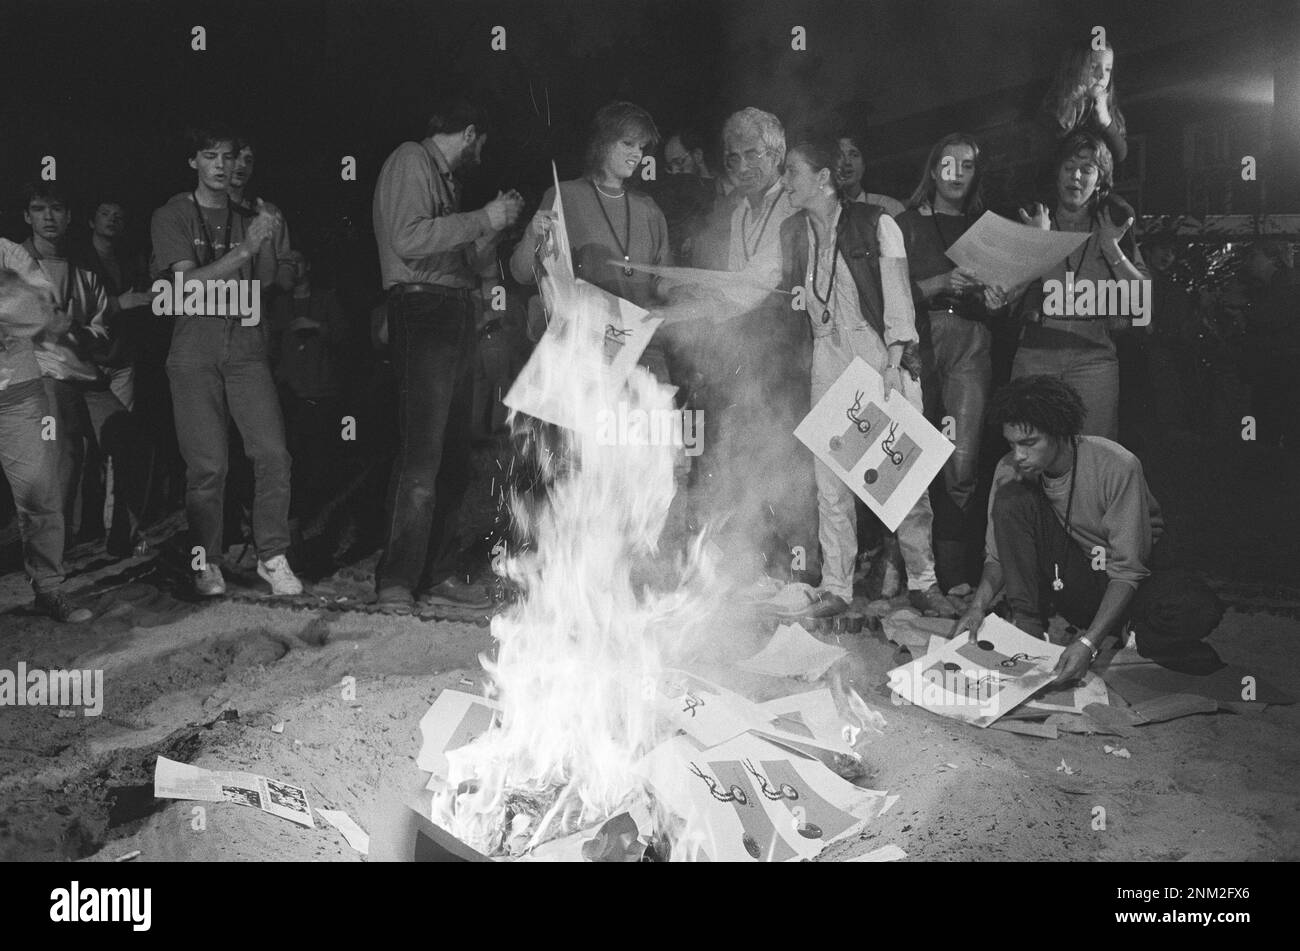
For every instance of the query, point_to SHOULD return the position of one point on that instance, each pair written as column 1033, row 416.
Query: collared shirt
column 423, row 236
column 844, row 303
column 754, row 246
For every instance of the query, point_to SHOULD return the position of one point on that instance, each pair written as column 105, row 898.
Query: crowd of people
column 787, row 213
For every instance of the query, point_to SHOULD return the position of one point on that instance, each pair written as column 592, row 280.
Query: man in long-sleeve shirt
column 431, row 256
column 1072, row 524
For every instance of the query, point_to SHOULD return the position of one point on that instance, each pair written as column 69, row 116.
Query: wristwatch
column 1083, row 639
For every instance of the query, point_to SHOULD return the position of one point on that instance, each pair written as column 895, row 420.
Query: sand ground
column 205, row 684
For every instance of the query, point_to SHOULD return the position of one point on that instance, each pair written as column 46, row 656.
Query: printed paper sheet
column 884, row 450
column 454, row 720
column 1006, row 253
column 585, row 320
column 748, row 801
column 172, row 780
column 978, row 679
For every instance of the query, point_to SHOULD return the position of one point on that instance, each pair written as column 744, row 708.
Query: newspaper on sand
column 172, row 780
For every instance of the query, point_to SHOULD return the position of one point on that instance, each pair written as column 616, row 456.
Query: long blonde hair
column 1066, row 103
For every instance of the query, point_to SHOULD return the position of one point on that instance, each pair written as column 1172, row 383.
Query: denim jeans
column 88, row 412
column 963, row 366
column 215, row 363
column 30, row 464
column 1092, row 368
column 432, row 340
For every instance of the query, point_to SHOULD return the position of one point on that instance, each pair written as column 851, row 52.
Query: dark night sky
column 107, row 85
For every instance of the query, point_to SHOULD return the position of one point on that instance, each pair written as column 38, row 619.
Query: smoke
column 753, row 488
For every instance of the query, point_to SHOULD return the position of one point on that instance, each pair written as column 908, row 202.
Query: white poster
column 884, row 450
column 748, row 801
column 1008, row 254
column 978, row 678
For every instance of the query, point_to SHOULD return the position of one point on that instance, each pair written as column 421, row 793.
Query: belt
column 955, row 309
column 437, row 290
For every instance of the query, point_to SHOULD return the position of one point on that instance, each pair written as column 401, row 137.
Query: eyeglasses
column 750, row 157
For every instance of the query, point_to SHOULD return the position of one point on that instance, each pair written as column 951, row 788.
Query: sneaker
column 57, row 606
column 456, row 594
column 932, row 603
column 279, row 575
column 209, row 582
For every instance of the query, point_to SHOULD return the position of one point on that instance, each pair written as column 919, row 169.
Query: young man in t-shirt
column 30, row 463
column 217, row 361
column 1072, row 524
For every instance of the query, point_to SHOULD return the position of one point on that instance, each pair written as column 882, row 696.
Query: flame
column 579, row 657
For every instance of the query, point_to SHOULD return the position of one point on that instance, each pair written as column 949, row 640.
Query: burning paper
column 884, row 450
column 172, row 780
column 456, row 718
column 793, row 652
column 557, row 385
column 704, row 711
column 746, row 800
column 596, row 319
column 978, row 679
column 810, row 724
column 579, row 656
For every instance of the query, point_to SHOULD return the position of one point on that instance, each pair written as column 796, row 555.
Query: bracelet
column 1083, row 639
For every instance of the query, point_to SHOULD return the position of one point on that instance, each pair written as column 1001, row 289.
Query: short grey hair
column 751, row 121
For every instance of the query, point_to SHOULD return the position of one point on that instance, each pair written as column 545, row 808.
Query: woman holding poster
column 851, row 261
column 1063, row 338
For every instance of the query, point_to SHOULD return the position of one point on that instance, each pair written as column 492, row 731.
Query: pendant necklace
column 830, row 284
column 1057, row 584
column 744, row 235
column 624, row 246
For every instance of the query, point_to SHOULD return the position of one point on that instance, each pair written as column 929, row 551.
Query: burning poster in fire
column 747, row 800
column 581, row 317
column 884, row 450
column 580, row 687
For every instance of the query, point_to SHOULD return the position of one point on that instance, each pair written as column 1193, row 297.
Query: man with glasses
column 757, row 479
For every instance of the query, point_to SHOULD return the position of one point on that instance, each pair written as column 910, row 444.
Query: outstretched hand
column 1038, row 216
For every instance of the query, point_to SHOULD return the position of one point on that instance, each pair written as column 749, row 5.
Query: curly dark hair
column 1045, row 403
